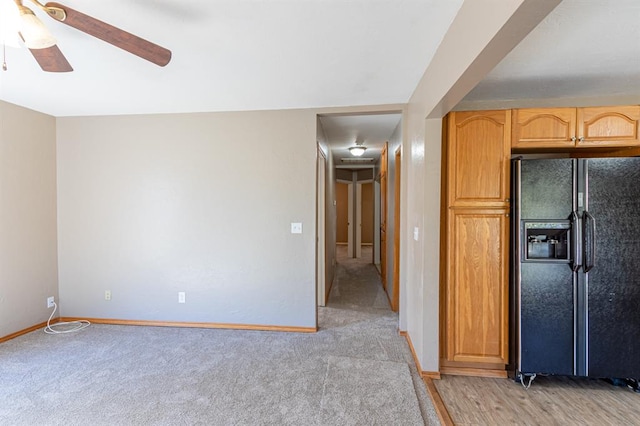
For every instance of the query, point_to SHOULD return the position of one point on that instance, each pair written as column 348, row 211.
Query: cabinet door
column 478, row 165
column 543, row 128
column 477, row 291
column 608, row 126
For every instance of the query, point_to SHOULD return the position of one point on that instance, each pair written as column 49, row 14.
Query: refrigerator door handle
column 576, row 258
column 589, row 241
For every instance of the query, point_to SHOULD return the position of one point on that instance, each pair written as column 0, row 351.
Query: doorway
column 364, row 208
column 355, row 213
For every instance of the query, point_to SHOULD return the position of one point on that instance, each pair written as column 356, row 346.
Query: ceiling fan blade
column 119, row 38
column 51, row 59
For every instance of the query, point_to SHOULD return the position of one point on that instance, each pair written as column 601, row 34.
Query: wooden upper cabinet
column 611, row 126
column 608, row 126
column 479, row 153
column 543, row 127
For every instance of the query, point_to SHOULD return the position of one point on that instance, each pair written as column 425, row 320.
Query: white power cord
column 75, row 325
column 531, row 379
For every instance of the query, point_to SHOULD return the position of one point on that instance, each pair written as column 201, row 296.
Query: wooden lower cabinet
column 476, row 289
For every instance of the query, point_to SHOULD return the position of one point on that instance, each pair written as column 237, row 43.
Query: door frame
column 384, row 216
column 395, row 298
column 376, row 224
column 321, row 252
column 358, row 220
column 350, row 207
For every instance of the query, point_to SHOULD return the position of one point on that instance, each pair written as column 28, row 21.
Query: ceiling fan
column 44, row 49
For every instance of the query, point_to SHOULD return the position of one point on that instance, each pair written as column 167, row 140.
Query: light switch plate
column 296, row 228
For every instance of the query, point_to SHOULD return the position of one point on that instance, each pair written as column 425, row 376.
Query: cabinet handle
column 506, row 200
column 581, row 139
column 506, row 214
column 573, row 138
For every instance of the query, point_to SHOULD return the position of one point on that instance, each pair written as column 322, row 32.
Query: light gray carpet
column 368, row 399
column 356, row 370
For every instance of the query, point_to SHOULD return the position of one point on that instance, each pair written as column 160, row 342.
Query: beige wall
column 365, row 174
column 342, row 214
column 28, row 253
column 481, row 34
column 152, row 205
column 344, row 174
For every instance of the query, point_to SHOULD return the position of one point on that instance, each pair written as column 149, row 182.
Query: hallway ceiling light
column 357, row 150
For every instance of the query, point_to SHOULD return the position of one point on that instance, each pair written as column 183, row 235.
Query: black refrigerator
column 576, row 267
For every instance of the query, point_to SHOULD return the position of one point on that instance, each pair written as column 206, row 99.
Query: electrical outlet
column 182, row 297
column 50, row 302
column 107, row 295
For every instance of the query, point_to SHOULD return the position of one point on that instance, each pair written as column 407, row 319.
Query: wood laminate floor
column 549, row 401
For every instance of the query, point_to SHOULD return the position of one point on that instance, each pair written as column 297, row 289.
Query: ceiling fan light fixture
column 34, row 33
column 357, row 150
column 9, row 24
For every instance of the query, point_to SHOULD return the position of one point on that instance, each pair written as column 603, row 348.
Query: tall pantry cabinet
column 475, row 240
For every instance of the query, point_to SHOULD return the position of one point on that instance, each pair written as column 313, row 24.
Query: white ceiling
column 369, row 130
column 273, row 54
column 236, row 55
column 582, row 49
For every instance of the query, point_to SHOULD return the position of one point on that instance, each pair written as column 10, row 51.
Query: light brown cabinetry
column 474, row 286
column 477, row 293
column 608, row 126
column 543, row 128
column 475, row 219
column 591, row 127
column 478, row 159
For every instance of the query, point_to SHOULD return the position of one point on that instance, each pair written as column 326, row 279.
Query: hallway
column 357, row 285
column 358, row 312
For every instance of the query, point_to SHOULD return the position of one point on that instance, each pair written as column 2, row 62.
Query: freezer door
column 546, row 319
column 546, row 189
column 613, row 282
column 544, row 280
